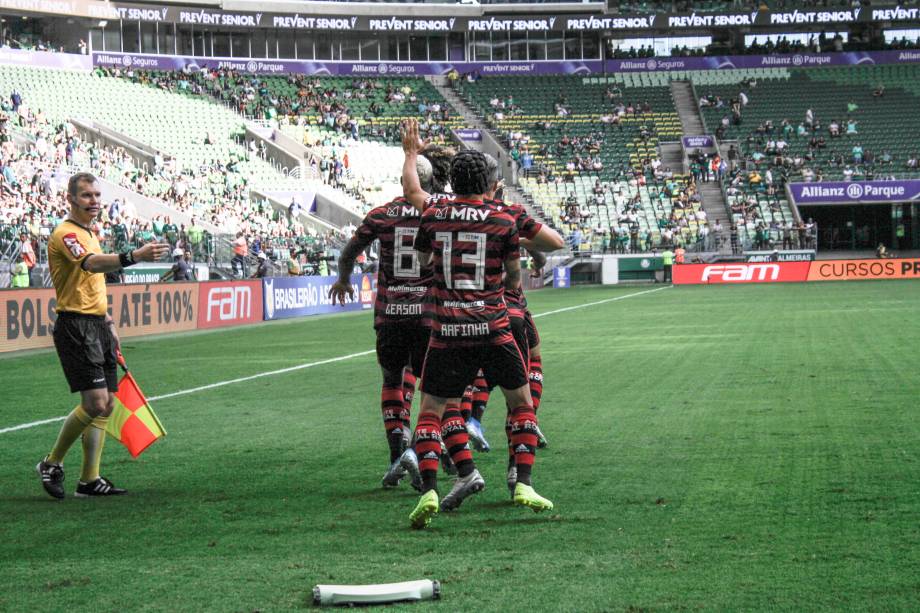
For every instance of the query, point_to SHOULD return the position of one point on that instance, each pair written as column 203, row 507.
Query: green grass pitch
column 718, row 448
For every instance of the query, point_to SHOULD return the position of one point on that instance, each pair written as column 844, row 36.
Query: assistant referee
column 85, row 336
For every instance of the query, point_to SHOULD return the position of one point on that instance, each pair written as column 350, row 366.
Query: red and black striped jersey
column 402, row 281
column 469, row 242
column 528, row 228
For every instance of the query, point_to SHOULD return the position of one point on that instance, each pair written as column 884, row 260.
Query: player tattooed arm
column 342, row 285
column 412, row 146
column 512, row 279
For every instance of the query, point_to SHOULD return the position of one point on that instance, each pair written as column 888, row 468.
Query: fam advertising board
column 286, row 297
column 229, row 303
column 27, row 316
column 786, row 272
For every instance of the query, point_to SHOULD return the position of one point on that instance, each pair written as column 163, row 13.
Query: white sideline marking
column 312, row 364
column 614, row 299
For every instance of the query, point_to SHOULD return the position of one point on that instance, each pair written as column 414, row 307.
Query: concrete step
column 687, row 108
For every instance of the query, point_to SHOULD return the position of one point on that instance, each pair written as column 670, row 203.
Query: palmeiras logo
column 854, row 191
column 269, row 299
column 645, row 263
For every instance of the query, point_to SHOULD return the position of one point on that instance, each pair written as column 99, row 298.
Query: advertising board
column 855, row 192
column 27, row 316
column 286, row 297
column 797, row 271
column 736, row 272
column 850, row 270
column 229, row 303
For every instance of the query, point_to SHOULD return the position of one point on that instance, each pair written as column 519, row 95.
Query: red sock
column 480, row 397
column 508, row 436
column 536, row 381
column 391, row 404
column 524, row 440
column 466, row 403
column 453, row 433
column 428, row 448
column 409, row 380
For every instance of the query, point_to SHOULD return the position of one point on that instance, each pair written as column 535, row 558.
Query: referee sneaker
column 85, row 336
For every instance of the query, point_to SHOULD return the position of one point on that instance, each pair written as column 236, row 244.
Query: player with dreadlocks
column 399, row 317
column 537, row 238
column 471, row 244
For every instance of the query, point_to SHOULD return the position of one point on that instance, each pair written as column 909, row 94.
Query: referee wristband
column 126, row 259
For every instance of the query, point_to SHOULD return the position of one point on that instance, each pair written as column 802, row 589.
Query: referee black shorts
column 87, row 351
column 448, row 371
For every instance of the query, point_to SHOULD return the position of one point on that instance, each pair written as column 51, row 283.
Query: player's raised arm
column 412, row 146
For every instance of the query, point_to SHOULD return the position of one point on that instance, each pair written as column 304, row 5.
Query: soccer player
column 525, row 335
column 471, row 244
column 399, row 317
column 536, row 238
column 85, row 336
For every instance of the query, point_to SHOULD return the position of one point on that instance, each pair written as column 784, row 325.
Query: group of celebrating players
column 450, row 308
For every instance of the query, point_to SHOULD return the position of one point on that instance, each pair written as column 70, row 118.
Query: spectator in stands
column 181, row 269
column 240, row 254
column 27, row 251
column 857, row 153
column 265, row 267
column 851, row 126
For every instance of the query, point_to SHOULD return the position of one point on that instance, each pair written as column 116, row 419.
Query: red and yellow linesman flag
column 132, row 421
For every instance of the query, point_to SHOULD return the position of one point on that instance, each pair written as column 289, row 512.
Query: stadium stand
column 587, row 152
column 344, row 122
column 808, row 125
column 215, row 190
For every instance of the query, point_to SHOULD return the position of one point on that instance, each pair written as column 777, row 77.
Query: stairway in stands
column 713, row 198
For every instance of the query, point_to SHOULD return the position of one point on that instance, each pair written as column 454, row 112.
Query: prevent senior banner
column 298, row 296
